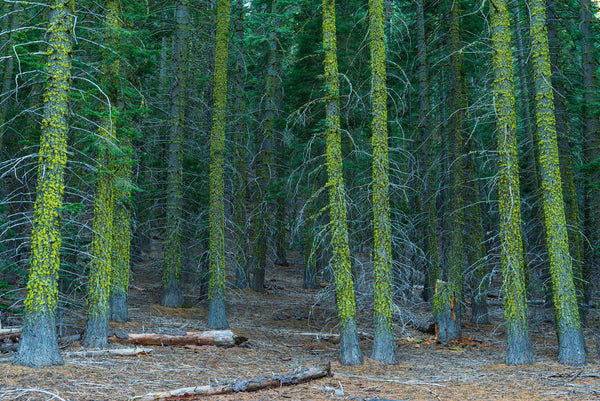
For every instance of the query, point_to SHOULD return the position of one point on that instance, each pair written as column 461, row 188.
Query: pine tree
column 383, row 342
column 216, row 309
column 350, row 353
column 172, row 295
column 39, row 346
column 519, row 351
column 571, row 347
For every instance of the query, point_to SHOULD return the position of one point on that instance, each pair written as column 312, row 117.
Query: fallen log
column 11, row 333
column 110, row 352
column 221, row 338
column 312, row 373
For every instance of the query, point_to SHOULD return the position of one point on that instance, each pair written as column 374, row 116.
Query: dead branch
column 110, row 352
column 221, row 338
column 312, row 373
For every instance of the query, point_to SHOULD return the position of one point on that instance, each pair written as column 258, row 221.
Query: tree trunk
column 216, row 292
column 350, row 352
column 39, row 346
column 571, row 345
column 221, row 338
column 172, row 295
column 519, row 350
column 450, row 326
column 384, row 346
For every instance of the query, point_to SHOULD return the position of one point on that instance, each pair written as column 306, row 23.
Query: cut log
column 221, row 338
column 11, row 333
column 110, row 352
column 190, row 393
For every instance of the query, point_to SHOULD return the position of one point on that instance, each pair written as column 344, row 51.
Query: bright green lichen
column 515, row 304
column 382, row 237
column 42, row 289
column 217, row 148
column 565, row 303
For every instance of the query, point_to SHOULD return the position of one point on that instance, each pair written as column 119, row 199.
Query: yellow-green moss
column 217, row 148
column 42, row 289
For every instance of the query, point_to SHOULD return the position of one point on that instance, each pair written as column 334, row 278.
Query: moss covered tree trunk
column 350, row 352
column 38, row 346
column 432, row 272
column 263, row 204
column 240, row 143
column 121, row 236
column 565, row 156
column 384, row 347
column 592, row 139
column 447, row 303
column 571, row 347
column 216, row 291
column 476, row 252
column 519, row 351
column 172, row 295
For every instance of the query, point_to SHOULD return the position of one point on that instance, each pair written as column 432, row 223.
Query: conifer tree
column 216, row 309
column 447, row 304
column 350, row 353
column 39, row 346
column 571, row 346
column 519, row 351
column 172, row 295
column 383, row 342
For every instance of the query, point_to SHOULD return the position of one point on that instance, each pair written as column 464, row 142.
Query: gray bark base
column 448, row 327
column 350, row 353
column 518, row 348
column 571, row 347
column 38, row 346
column 384, row 347
column 171, row 297
column 96, row 333
column 258, row 280
column 310, row 279
column 216, row 314
column 118, row 307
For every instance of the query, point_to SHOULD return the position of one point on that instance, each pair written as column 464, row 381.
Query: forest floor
column 276, row 323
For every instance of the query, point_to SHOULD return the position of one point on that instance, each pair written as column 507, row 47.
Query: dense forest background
column 118, row 119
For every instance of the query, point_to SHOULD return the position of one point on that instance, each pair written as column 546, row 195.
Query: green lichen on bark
column 171, row 276
column 519, row 350
column 450, row 326
column 571, row 346
column 350, row 353
column 42, row 288
column 426, row 160
column 240, row 139
column 383, row 342
column 216, row 291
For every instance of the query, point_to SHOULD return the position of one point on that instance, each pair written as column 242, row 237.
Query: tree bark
column 260, row 383
column 222, row 338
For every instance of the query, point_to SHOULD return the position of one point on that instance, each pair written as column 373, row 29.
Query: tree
column 519, row 351
column 172, row 295
column 447, row 303
column 383, row 343
column 350, row 353
column 38, row 346
column 571, row 346
column 216, row 295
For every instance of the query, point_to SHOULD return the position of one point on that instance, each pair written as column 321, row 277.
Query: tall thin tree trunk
column 216, row 292
column 38, row 345
column 172, row 295
column 350, row 352
column 447, row 306
column 570, row 337
column 383, row 342
column 518, row 350
column 240, row 143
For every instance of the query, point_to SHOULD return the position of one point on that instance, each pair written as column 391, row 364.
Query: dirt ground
column 278, row 324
